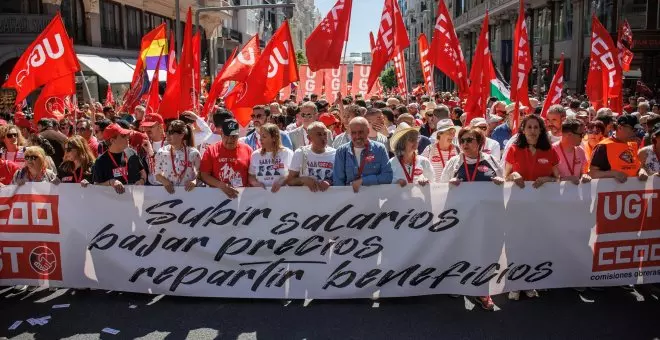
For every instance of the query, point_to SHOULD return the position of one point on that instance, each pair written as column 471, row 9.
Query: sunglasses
column 31, row 158
column 467, row 140
column 174, row 132
column 256, row 116
column 12, row 135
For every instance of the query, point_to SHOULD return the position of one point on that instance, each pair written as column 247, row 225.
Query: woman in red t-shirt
column 532, row 157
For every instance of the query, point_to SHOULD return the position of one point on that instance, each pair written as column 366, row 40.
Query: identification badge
column 369, row 158
column 236, row 182
column 119, row 172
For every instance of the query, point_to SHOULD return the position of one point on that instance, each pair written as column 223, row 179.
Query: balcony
column 23, row 24
column 477, row 12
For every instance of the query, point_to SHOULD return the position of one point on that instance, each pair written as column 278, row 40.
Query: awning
column 112, row 69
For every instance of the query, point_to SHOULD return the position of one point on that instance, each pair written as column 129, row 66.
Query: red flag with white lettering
column 217, row 87
column 51, row 56
column 55, row 97
column 446, row 53
column 109, row 98
column 625, row 44
column 275, row 69
column 335, row 81
column 400, row 71
column 186, row 70
column 324, row 45
column 605, row 78
column 556, row 88
column 310, row 82
column 522, row 60
column 392, row 39
column 171, row 60
column 240, row 67
column 480, row 75
column 425, row 63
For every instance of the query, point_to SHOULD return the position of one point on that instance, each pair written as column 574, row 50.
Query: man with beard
column 312, row 165
column 260, row 114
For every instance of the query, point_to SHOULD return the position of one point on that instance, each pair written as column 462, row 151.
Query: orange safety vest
column 622, row 156
column 589, row 152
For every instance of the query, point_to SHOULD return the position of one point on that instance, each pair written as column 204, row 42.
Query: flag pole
column 86, row 87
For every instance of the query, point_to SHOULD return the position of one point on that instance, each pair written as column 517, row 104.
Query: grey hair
column 315, row 125
column 557, row 109
column 645, row 105
column 310, row 105
column 400, row 146
column 604, row 111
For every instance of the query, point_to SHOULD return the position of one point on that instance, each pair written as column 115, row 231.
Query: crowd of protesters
column 353, row 141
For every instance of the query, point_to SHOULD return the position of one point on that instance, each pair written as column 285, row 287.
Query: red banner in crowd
column 401, row 76
column 51, row 56
column 556, row 89
column 109, row 97
column 425, row 63
column 446, row 53
column 335, row 81
column 392, row 39
column 324, row 46
column 360, row 82
column 480, row 76
column 310, row 82
column 219, row 86
column 522, row 60
column 171, row 60
column 55, row 97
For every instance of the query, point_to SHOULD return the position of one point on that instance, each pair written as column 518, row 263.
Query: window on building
column 73, row 13
column 564, row 29
column 112, row 31
column 635, row 12
column 22, row 7
column 603, row 11
column 460, row 8
column 133, row 27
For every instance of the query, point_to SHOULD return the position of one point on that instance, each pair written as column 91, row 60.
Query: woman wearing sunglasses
column 472, row 164
column 35, row 169
column 78, row 162
column 13, row 143
column 177, row 163
column 595, row 134
column 269, row 166
column 407, row 166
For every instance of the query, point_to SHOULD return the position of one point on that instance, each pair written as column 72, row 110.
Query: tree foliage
column 301, row 58
column 387, row 78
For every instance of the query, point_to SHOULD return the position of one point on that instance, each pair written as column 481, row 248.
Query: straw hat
column 400, row 131
column 428, row 107
column 446, row 124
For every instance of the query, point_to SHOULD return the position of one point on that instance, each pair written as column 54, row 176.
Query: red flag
column 109, row 98
column 480, row 76
column 171, row 60
column 424, row 60
column 392, row 39
column 522, row 60
column 446, row 53
column 372, row 41
column 55, row 96
column 197, row 80
column 186, row 70
column 275, row 69
column 516, row 117
column 605, row 77
column 335, row 81
column 324, row 46
column 400, row 70
column 51, row 56
column 624, row 44
column 217, row 86
column 556, row 88
column 240, row 67
column 153, row 101
column 310, row 81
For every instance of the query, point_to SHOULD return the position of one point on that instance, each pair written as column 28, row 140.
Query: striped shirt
column 439, row 159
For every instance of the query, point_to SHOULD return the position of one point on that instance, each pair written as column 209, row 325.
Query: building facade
column 106, row 35
column 419, row 17
column 561, row 26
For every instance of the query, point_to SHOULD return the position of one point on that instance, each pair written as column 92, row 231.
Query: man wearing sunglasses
column 85, row 130
column 490, row 146
column 432, row 118
column 572, row 156
column 260, row 114
column 299, row 137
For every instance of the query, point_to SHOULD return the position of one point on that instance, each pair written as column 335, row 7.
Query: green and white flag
column 499, row 87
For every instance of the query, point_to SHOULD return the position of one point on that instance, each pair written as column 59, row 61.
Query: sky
column 365, row 17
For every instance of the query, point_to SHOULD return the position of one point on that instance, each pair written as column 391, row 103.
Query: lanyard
column 363, row 157
column 123, row 173
column 572, row 168
column 15, row 154
column 442, row 159
column 468, row 177
column 77, row 178
column 257, row 143
column 179, row 176
column 30, row 179
column 409, row 176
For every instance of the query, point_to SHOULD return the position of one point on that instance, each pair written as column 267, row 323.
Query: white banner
column 474, row 239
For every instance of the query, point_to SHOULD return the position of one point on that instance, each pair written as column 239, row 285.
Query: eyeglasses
column 467, row 140
column 258, row 116
column 12, row 135
column 31, row 158
column 174, row 132
column 484, row 128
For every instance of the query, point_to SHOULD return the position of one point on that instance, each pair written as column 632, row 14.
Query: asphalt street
column 558, row 314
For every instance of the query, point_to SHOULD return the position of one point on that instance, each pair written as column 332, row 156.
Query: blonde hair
column 4, row 130
column 39, row 152
column 274, row 132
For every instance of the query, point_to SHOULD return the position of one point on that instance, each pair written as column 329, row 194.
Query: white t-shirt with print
column 268, row 169
column 318, row 166
column 164, row 165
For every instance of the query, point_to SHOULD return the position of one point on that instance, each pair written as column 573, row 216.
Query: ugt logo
column 41, row 52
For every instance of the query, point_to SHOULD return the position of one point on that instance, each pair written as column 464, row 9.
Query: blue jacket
column 251, row 140
column 501, row 134
column 376, row 171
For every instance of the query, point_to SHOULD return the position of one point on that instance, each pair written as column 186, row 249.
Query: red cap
column 137, row 138
column 114, row 130
column 151, row 119
column 328, row 119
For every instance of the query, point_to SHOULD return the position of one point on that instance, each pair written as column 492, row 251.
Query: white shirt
column 358, row 155
column 423, row 170
column 190, row 169
column 438, row 160
column 319, row 166
column 291, row 127
column 16, row 157
column 156, row 146
column 268, row 169
column 492, row 147
column 210, row 140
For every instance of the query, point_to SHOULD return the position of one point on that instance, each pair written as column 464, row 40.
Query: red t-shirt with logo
column 229, row 166
column 532, row 166
column 7, row 171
